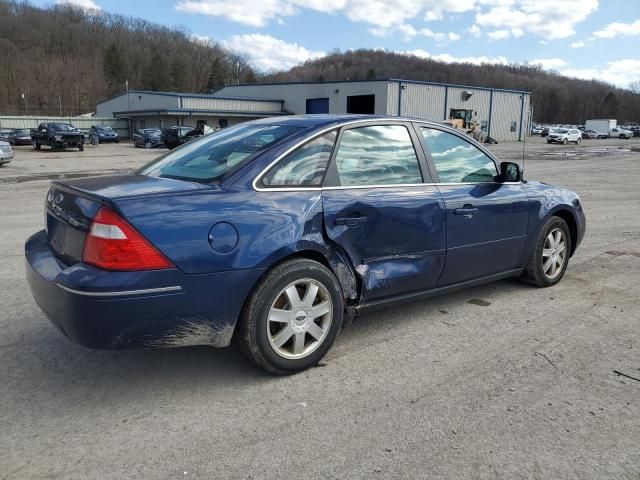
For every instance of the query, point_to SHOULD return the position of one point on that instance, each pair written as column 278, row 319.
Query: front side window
column 214, row 156
column 304, row 166
column 377, row 155
column 458, row 161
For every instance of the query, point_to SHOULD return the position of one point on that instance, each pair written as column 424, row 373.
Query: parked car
column 636, row 131
column 57, row 135
column 594, row 134
column 6, row 135
column 148, row 138
column 104, row 134
column 6, row 152
column 175, row 136
column 619, row 132
column 275, row 230
column 563, row 135
column 21, row 136
column 536, row 130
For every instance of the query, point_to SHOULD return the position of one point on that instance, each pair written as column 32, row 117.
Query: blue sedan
column 271, row 233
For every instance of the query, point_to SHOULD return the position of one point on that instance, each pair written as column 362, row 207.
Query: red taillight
column 113, row 244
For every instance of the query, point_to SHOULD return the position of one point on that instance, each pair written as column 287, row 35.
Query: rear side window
column 303, row 167
column 377, row 155
column 458, row 161
column 216, row 155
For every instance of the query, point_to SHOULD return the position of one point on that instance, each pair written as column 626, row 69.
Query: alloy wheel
column 554, row 253
column 299, row 318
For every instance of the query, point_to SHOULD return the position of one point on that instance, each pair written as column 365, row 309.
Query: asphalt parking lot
column 501, row 381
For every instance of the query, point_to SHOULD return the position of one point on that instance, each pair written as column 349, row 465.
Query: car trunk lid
column 71, row 205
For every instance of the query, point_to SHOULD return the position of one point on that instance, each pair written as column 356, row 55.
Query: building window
column 364, row 104
column 317, row 105
column 514, row 126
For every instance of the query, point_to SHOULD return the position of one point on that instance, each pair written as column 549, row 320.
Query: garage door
column 317, row 105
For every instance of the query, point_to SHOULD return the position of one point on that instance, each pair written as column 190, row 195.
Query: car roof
column 327, row 120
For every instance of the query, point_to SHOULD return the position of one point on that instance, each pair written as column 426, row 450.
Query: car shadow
column 49, row 366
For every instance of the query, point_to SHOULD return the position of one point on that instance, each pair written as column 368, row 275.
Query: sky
column 580, row 38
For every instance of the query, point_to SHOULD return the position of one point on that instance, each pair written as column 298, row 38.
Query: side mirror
column 510, row 172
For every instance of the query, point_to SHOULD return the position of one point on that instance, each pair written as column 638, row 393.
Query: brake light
column 113, row 244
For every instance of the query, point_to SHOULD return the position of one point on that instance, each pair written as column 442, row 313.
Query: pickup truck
column 57, row 135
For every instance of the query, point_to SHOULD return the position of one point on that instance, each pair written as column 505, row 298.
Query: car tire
column 36, row 145
column 578, row 141
column 52, row 144
column 283, row 343
column 565, row 141
column 117, row 141
column 148, row 145
column 81, row 147
column 548, row 260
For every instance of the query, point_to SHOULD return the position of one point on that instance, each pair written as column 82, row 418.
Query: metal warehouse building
column 502, row 114
column 165, row 109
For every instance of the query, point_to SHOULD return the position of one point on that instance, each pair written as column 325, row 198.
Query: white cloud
column 549, row 63
column 619, row 29
column 409, row 32
column 269, row 53
column 381, row 13
column 499, row 34
column 248, row 12
column 503, row 33
column 619, row 72
column 86, row 4
column 474, row 30
column 445, row 57
column 546, row 18
column 578, row 44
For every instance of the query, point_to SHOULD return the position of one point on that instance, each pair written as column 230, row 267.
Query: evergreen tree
column 216, row 76
column 178, row 75
column 114, row 69
column 157, row 77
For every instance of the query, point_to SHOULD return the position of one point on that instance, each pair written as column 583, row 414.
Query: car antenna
column 524, row 141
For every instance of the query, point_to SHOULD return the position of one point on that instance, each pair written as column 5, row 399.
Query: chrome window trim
column 336, row 126
column 426, row 123
column 120, row 293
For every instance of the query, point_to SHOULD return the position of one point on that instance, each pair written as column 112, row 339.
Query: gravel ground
column 524, row 387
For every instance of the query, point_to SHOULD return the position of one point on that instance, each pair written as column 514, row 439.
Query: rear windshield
column 23, row 131
column 214, row 156
column 151, row 131
column 562, row 130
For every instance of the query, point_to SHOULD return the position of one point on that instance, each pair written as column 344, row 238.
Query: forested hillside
column 66, row 59
column 556, row 99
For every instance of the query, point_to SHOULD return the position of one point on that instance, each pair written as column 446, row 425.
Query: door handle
column 350, row 221
column 467, row 210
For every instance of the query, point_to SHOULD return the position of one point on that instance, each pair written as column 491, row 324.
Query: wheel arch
column 336, row 261
column 569, row 218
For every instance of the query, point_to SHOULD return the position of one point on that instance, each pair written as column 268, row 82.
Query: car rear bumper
column 115, row 310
